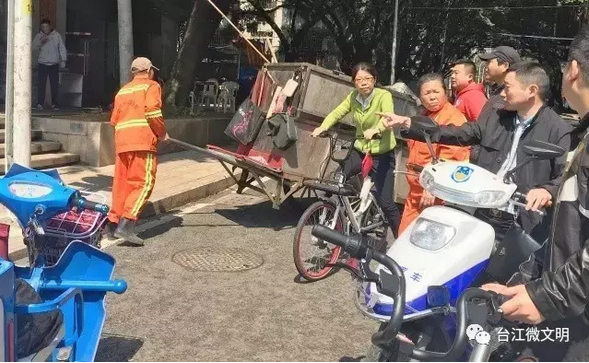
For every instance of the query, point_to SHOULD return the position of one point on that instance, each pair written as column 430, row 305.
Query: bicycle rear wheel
column 311, row 255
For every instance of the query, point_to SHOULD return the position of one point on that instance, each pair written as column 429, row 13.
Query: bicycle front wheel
column 313, row 256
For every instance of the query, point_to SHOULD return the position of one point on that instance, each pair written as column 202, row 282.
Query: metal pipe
column 394, row 47
column 116, row 286
column 23, row 31
column 9, row 95
column 238, row 31
column 125, row 21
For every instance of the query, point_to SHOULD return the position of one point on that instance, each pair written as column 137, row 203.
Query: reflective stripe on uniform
column 131, row 123
column 147, row 187
column 126, row 91
column 154, row 114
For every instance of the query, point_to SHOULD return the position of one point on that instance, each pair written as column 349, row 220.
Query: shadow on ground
column 96, row 183
column 117, row 348
column 262, row 215
column 163, row 228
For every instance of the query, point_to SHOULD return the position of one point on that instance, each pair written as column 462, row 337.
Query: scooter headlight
column 488, row 197
column 431, row 235
column 427, row 180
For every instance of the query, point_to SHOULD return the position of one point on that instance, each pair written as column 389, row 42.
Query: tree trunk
column 202, row 25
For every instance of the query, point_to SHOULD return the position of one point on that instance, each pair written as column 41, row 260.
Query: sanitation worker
column 433, row 96
column 139, row 126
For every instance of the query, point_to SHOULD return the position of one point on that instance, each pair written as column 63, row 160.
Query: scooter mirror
column 536, row 150
column 543, row 150
column 425, row 124
column 438, row 296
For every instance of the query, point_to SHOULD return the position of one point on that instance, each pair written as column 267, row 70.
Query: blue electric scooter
column 51, row 313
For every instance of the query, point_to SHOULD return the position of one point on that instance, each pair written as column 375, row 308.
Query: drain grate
column 218, row 259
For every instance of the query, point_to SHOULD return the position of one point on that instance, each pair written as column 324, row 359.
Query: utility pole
column 9, row 97
column 125, row 17
column 394, row 47
column 22, row 53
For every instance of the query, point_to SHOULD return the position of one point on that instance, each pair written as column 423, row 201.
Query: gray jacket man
column 51, row 54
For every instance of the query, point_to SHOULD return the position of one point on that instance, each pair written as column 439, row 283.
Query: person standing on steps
column 139, row 127
column 51, row 56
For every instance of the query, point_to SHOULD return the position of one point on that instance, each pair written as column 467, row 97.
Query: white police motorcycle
column 446, row 250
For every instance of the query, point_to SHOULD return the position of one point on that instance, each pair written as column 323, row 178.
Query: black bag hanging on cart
column 281, row 126
column 283, row 130
column 246, row 123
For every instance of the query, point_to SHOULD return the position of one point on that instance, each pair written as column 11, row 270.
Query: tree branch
column 268, row 19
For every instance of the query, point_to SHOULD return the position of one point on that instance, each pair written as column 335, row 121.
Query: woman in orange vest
column 433, row 96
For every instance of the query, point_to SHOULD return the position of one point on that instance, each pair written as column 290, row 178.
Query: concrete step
column 37, row 147
column 49, row 161
column 35, row 135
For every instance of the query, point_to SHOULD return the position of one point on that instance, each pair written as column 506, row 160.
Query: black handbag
column 246, row 123
column 282, row 129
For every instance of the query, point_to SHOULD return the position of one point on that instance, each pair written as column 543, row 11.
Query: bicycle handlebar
column 333, row 140
column 394, row 287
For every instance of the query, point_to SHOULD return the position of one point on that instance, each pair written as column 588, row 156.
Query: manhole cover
column 218, row 259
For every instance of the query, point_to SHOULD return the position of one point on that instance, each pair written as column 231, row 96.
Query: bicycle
column 349, row 206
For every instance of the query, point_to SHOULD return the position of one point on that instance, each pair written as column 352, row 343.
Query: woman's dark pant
column 384, row 178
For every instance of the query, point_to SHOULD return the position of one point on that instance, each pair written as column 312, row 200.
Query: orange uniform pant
column 132, row 185
column 411, row 209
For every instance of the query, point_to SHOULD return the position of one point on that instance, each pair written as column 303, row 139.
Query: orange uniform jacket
column 137, row 116
column 419, row 155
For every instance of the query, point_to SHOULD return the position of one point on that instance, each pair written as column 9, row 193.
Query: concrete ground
column 181, row 177
column 172, row 313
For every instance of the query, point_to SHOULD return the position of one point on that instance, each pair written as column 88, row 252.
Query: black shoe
column 110, row 230
column 126, row 231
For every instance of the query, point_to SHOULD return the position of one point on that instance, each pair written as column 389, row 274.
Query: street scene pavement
column 175, row 310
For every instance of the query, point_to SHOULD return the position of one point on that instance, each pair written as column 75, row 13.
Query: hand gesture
column 391, row 120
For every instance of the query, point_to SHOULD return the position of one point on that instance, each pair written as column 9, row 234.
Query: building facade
column 90, row 31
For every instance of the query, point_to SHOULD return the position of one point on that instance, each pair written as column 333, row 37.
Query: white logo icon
column 475, row 332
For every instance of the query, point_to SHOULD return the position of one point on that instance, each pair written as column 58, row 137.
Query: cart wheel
column 311, row 255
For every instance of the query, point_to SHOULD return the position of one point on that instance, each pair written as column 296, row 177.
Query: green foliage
column 433, row 33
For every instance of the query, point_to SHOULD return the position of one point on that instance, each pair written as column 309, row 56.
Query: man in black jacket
column 524, row 117
column 552, row 290
column 497, row 63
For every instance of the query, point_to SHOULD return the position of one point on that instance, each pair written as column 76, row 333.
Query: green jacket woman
column 363, row 103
